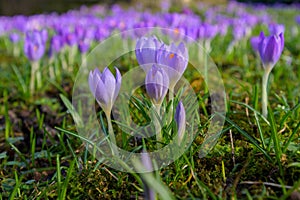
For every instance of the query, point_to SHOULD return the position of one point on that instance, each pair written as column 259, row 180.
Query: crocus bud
column 157, row 84
column 105, row 87
column 270, row 49
column 174, row 60
column 146, row 51
column 180, row 121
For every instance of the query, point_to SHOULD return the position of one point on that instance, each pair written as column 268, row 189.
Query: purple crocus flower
column 71, row 38
column 14, row 37
column 84, row 45
column 44, row 34
column 276, row 29
column 157, row 84
column 270, row 49
column 146, row 51
column 55, row 45
column 174, row 60
column 297, row 19
column 254, row 41
column 105, row 87
column 180, row 121
column 207, row 31
column 34, row 46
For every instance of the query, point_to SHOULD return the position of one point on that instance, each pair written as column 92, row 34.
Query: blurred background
column 28, row 7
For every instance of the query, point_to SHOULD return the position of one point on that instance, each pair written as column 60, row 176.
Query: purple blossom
column 56, row 44
column 276, row 29
column 146, row 51
column 84, row 45
column 105, row 87
column 270, row 49
column 34, row 46
column 14, row 37
column 157, row 84
column 174, row 60
column 254, row 41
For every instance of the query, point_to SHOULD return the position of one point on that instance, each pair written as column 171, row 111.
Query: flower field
column 194, row 102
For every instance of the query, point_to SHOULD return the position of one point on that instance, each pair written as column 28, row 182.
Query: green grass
column 43, row 157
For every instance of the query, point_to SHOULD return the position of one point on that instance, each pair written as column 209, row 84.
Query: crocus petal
column 101, row 93
column 118, row 84
column 271, row 50
column 109, row 82
column 157, row 83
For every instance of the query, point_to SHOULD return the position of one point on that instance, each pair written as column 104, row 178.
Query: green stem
column 157, row 124
column 111, row 135
column 34, row 68
column 207, row 44
column 264, row 91
column 171, row 97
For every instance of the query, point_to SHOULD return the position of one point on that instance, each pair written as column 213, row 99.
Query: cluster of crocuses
column 163, row 64
column 84, row 27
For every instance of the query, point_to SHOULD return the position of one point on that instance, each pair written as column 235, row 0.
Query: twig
column 232, row 147
column 266, row 183
column 236, row 180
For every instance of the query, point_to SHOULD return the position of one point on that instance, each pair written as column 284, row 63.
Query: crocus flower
column 254, row 41
column 180, row 121
column 174, row 60
column 105, row 87
column 55, row 45
column 34, row 46
column 146, row 51
column 270, row 49
column 207, row 31
column 157, row 84
column 71, row 38
column 14, row 37
column 83, row 45
column 276, row 29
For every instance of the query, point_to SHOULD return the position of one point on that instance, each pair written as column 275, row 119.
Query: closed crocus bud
column 146, row 51
column 254, row 41
column 180, row 121
column 34, row 47
column 270, row 49
column 105, row 87
column 174, row 60
column 157, row 84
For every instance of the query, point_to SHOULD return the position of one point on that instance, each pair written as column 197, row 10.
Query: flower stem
column 111, row 135
column 264, row 91
column 171, row 97
column 157, row 125
column 34, row 68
